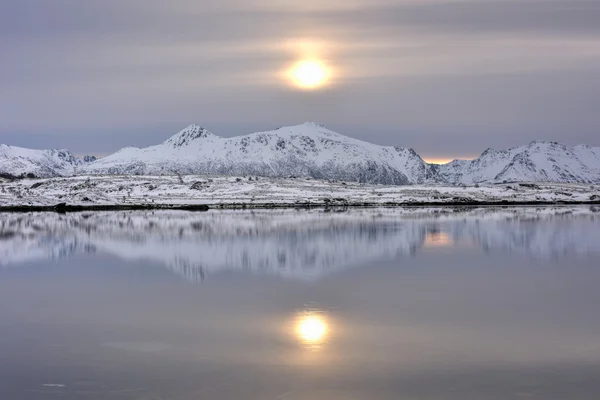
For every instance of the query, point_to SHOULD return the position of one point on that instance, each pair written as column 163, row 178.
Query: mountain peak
column 304, row 126
column 487, row 152
column 544, row 142
column 312, row 124
column 19, row 161
column 539, row 160
column 309, row 129
column 187, row 135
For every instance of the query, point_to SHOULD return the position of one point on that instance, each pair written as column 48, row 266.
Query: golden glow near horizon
column 438, row 160
column 309, row 74
column 442, row 160
column 311, row 329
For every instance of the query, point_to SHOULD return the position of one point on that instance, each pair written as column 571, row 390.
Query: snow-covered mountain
column 307, row 150
column 311, row 150
column 539, row 161
column 18, row 161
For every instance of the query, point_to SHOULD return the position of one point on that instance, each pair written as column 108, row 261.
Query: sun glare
column 311, row 329
column 309, row 74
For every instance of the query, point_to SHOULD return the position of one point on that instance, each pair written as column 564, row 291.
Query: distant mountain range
column 539, row 161
column 20, row 162
column 311, row 150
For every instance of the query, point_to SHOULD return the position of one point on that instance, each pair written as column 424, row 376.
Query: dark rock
column 8, row 176
column 60, row 208
column 462, row 200
column 199, row 185
column 529, row 185
column 564, row 194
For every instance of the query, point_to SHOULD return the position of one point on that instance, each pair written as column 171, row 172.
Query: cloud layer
column 447, row 77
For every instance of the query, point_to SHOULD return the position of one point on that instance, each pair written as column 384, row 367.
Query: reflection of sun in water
column 309, row 74
column 311, row 329
column 438, row 239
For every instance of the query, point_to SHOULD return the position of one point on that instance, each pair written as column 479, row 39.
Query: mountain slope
column 539, row 161
column 308, row 150
column 311, row 150
column 18, row 161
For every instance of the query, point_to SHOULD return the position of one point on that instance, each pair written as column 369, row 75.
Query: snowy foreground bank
column 230, row 192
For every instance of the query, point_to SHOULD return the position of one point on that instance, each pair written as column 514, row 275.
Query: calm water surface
column 301, row 305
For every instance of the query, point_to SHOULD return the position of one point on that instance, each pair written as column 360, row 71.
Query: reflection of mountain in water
column 295, row 244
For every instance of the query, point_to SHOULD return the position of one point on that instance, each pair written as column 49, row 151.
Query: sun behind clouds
column 309, row 74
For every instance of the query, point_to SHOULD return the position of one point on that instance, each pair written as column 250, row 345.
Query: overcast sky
column 448, row 78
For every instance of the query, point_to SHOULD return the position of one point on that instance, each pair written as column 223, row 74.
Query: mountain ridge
column 308, row 150
column 20, row 162
column 540, row 160
column 312, row 150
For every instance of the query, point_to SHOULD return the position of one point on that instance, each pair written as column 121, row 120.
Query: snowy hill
column 18, row 161
column 311, row 150
column 539, row 161
column 307, row 150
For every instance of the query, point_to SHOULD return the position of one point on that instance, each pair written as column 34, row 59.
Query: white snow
column 17, row 161
column 311, row 150
column 307, row 150
column 218, row 191
column 539, row 161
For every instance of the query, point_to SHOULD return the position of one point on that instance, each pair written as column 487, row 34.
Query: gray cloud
column 447, row 77
column 28, row 18
column 553, row 17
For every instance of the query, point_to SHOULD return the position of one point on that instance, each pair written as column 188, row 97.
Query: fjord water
column 359, row 304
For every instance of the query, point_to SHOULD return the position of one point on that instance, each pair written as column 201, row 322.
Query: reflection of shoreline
column 292, row 244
